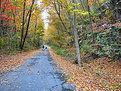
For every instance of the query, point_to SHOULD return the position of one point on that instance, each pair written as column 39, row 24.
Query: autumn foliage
column 11, row 19
column 6, row 6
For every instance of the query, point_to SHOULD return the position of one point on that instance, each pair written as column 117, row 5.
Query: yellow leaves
column 84, row 13
column 46, row 2
column 102, row 1
column 76, row 4
column 26, row 0
column 81, row 12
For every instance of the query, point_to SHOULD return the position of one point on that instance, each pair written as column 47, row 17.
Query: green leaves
column 61, row 51
column 2, row 42
column 86, row 49
column 100, row 68
column 110, row 45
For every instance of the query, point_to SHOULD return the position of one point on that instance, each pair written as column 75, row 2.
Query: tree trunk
column 29, row 19
column 23, row 23
column 76, row 38
column 89, row 11
column 59, row 14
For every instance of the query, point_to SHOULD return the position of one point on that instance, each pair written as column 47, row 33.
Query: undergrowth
column 61, row 51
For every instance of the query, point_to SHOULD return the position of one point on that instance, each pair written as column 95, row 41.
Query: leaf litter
column 12, row 61
column 101, row 74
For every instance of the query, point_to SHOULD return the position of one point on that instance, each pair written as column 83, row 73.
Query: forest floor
column 101, row 74
column 10, row 62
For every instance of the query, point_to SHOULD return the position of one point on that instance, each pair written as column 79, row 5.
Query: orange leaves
column 92, row 77
column 9, row 62
column 91, row 2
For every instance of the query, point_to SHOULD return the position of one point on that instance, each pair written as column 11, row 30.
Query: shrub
column 110, row 43
column 2, row 42
column 86, row 49
column 53, row 47
column 61, row 51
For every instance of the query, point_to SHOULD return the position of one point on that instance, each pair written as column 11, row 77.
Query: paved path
column 39, row 73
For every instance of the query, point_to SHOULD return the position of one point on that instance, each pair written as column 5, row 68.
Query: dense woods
column 21, row 25
column 94, row 24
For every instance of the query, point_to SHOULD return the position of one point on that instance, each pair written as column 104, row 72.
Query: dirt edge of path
column 11, row 62
column 91, row 79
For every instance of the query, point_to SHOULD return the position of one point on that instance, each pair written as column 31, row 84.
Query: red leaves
column 6, row 5
column 5, row 17
column 11, row 7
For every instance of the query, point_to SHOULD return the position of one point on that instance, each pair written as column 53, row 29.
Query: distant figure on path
column 43, row 47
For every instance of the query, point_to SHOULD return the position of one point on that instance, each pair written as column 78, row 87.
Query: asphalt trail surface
column 39, row 73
